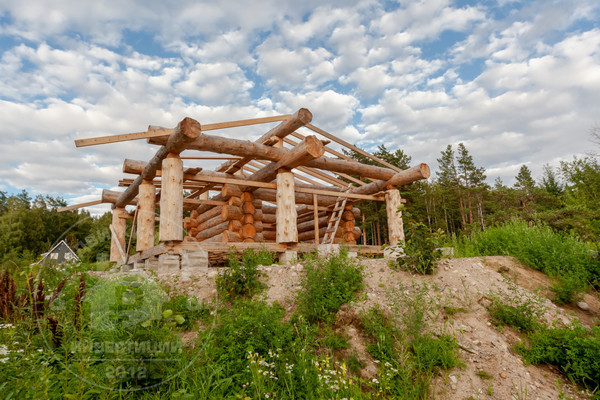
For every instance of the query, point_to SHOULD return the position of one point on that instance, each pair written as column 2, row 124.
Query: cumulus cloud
column 371, row 72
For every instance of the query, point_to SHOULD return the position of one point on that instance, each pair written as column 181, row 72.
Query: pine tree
column 550, row 181
column 397, row 158
column 472, row 178
column 448, row 177
column 524, row 180
column 525, row 184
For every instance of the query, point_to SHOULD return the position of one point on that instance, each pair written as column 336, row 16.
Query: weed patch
column 573, row 349
column 420, row 248
column 408, row 354
column 563, row 257
column 241, row 278
column 327, row 285
column 516, row 310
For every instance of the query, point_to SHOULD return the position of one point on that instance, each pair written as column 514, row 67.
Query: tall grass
column 564, row 257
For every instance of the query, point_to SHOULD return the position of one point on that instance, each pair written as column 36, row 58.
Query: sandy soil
column 463, row 285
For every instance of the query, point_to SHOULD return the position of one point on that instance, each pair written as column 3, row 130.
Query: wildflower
column 375, row 380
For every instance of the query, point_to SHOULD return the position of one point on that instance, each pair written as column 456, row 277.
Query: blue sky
column 516, row 81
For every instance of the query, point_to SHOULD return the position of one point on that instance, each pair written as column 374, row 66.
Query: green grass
column 241, row 278
column 516, row 310
column 409, row 354
column 244, row 348
column 565, row 258
column 575, row 350
column 327, row 285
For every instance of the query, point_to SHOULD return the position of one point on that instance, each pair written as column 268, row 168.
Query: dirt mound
column 462, row 290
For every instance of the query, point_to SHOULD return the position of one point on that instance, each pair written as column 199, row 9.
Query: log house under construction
column 285, row 191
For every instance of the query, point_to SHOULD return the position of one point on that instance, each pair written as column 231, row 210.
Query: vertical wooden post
column 145, row 222
column 286, row 216
column 364, row 230
column 316, row 217
column 117, row 237
column 395, row 224
column 171, row 199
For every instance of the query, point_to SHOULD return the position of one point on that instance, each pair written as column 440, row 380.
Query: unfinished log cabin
column 288, row 191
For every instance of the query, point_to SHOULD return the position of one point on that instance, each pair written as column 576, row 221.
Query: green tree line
column 458, row 200
column 30, row 226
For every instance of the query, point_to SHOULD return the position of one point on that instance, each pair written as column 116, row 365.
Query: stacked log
column 229, row 216
column 269, row 222
column 258, row 222
column 347, row 224
column 248, row 230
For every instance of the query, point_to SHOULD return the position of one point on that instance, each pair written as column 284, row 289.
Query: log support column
column 145, row 216
column 171, row 199
column 287, row 230
column 394, row 217
column 117, row 236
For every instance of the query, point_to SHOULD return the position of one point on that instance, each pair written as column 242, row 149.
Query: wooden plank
column 352, row 147
column 323, row 176
column 217, row 247
column 198, row 202
column 243, row 182
column 211, row 158
column 338, row 194
column 80, row 205
column 162, row 132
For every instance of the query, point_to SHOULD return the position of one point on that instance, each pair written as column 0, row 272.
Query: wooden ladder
column 334, row 222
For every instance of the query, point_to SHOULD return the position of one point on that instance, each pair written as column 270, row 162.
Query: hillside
column 458, row 296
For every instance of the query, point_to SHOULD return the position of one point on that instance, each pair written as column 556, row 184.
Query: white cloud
column 417, row 21
column 362, row 67
column 281, row 67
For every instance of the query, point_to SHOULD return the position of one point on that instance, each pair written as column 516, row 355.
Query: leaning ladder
column 334, row 222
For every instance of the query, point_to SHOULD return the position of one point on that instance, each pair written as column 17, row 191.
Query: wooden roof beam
column 80, row 205
column 402, row 178
column 154, row 132
column 252, row 150
column 335, row 153
column 309, row 149
column 352, row 147
column 185, row 132
column 298, row 176
column 298, row 119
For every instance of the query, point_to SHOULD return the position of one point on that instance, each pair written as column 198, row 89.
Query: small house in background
column 59, row 254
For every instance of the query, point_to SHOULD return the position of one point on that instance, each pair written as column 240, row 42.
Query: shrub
column 383, row 332
column 187, row 308
column 574, row 349
column 516, row 310
column 560, row 256
column 408, row 354
column 327, row 285
column 241, row 278
column 420, row 248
